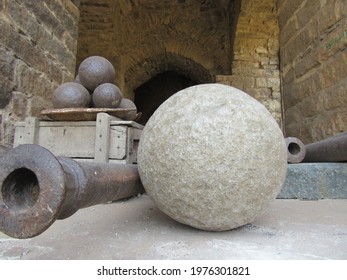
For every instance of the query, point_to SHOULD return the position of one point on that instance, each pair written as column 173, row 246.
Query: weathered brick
column 23, row 47
column 36, row 104
column 45, row 17
column 340, row 9
column 67, row 14
column 297, row 46
column 37, row 52
column 32, row 82
column 333, row 71
column 7, row 76
column 286, row 9
column 19, row 104
column 260, row 82
column 24, row 20
column 7, row 63
column 308, row 63
column 6, row 87
column 307, row 12
column 290, row 29
column 335, row 97
column 313, row 63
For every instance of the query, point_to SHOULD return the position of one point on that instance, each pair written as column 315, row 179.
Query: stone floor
column 136, row 229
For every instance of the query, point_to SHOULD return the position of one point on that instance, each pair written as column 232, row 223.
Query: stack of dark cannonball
column 93, row 87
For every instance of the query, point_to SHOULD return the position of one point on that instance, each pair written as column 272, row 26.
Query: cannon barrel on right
column 332, row 149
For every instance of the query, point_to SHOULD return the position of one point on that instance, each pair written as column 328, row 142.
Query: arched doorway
column 155, row 91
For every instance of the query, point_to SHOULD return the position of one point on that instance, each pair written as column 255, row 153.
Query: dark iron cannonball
column 71, row 95
column 94, row 71
column 107, row 96
column 128, row 104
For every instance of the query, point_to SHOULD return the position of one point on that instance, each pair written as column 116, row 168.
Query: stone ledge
column 314, row 181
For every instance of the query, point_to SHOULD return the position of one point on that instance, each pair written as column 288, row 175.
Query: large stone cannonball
column 94, row 71
column 212, row 157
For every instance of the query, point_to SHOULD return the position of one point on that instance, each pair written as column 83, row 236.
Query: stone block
column 315, row 181
column 67, row 14
column 239, row 180
column 288, row 31
column 45, row 17
column 311, row 106
column 333, row 71
column 273, row 83
column 336, row 97
column 33, row 82
column 37, row 104
column 305, row 13
column 307, row 63
column 340, row 9
column 272, row 105
column 294, row 115
column 7, row 64
column 297, row 46
column 237, row 81
column 6, row 87
column 261, row 82
column 23, row 47
column 248, row 82
column 19, row 104
column 329, row 15
column 286, row 9
column 25, row 20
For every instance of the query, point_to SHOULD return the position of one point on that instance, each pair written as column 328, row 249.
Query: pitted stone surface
column 212, row 157
column 318, row 180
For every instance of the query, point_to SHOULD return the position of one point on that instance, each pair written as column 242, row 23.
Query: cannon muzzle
column 38, row 188
column 295, row 150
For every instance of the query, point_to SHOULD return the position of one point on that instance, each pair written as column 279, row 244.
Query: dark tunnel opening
column 150, row 95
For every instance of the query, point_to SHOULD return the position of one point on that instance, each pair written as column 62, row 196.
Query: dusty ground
column 136, row 229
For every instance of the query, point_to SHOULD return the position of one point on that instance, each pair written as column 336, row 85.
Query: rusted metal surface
column 107, row 95
column 94, row 71
column 333, row 149
column 295, row 150
column 71, row 95
column 37, row 188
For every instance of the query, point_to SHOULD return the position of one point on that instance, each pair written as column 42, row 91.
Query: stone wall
column 313, row 42
column 37, row 53
column 255, row 65
column 235, row 42
column 145, row 38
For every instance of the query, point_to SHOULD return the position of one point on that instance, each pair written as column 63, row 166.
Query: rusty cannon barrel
column 295, row 150
column 38, row 188
column 332, row 149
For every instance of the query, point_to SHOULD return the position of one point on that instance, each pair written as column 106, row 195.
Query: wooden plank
column 108, row 139
column 102, row 137
column 127, row 123
column 118, row 142
column 31, row 130
column 19, row 135
column 133, row 139
column 69, row 141
column 65, row 123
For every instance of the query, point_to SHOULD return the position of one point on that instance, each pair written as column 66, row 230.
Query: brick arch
column 143, row 71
